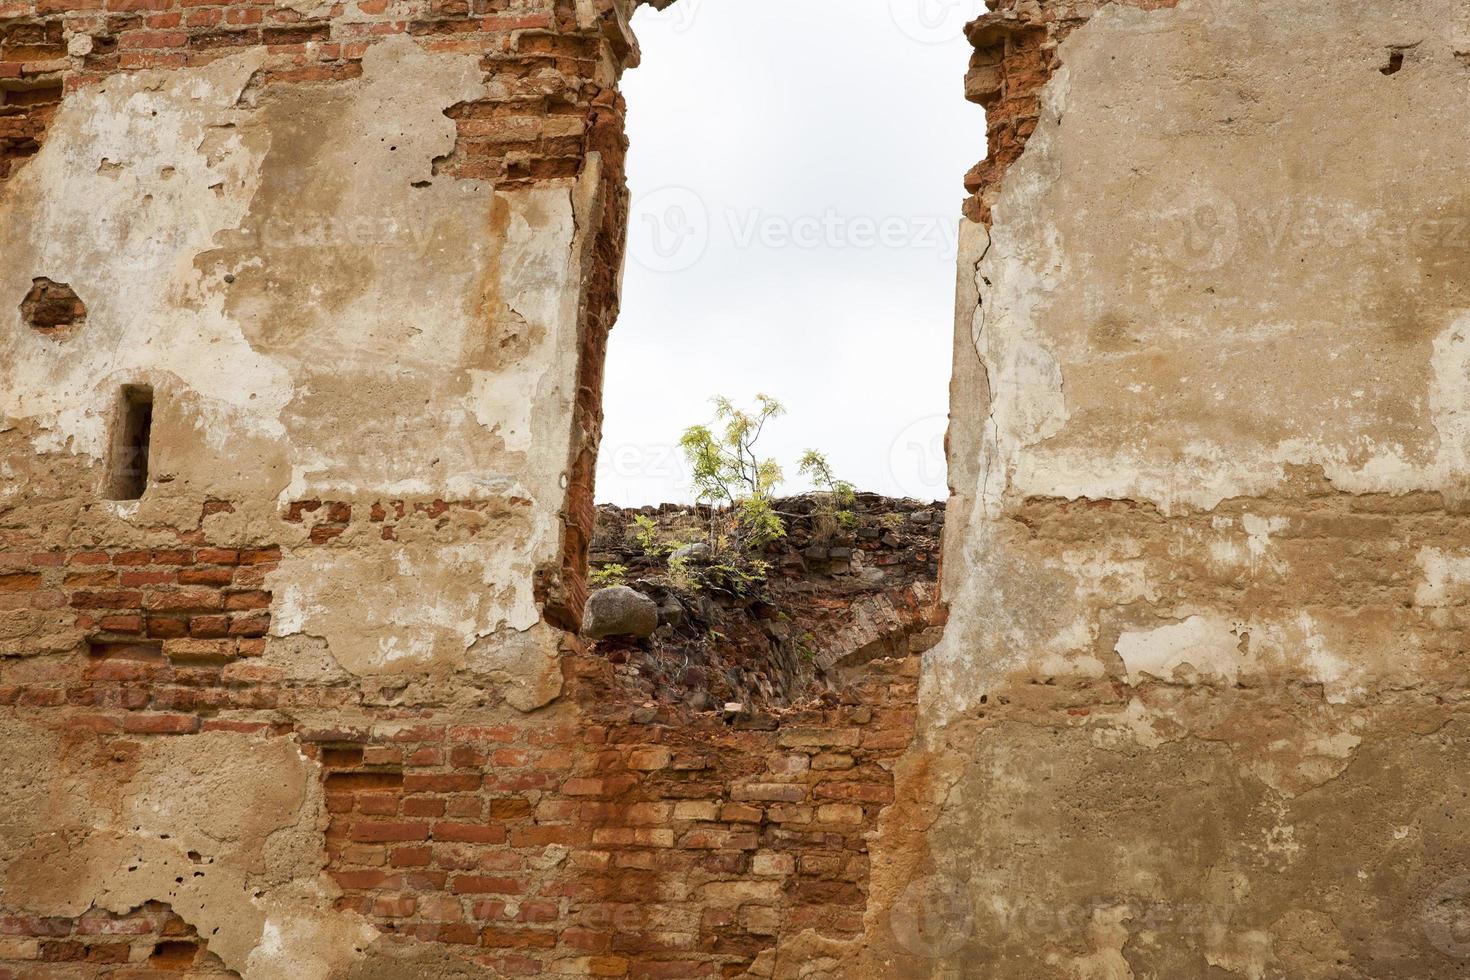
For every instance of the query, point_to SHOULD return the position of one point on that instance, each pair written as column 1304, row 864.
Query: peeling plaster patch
column 302, row 947
column 1446, row 578
column 1097, row 224
column 169, row 828
column 534, row 259
column 1246, row 953
column 1054, row 665
column 1107, row 935
column 271, row 944
column 1338, row 677
column 1311, row 758
column 1117, row 578
column 1449, row 414
column 147, row 311
column 1017, row 605
column 1026, row 400
column 305, row 322
column 526, row 666
column 405, row 607
column 1258, row 539
column 1227, row 551
column 1209, row 646
column 1137, row 721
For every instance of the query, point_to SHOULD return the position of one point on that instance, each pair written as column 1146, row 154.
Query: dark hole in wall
column 128, row 472
column 14, row 95
column 132, row 659
column 175, row 955
column 26, row 108
column 143, row 651
column 53, row 308
column 1395, row 62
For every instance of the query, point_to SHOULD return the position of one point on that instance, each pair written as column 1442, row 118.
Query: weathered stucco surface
column 366, row 413
column 296, row 344
column 1198, row 710
column 308, row 708
column 170, row 823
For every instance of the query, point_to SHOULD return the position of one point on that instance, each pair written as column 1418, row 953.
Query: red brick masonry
column 603, row 834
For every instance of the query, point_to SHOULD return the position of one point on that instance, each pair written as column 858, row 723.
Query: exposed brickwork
column 149, row 941
column 564, row 598
column 1015, row 54
column 52, row 308
column 607, row 835
column 637, row 843
column 24, row 115
column 168, row 633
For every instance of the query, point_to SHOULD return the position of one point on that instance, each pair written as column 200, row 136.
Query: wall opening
column 793, row 236
column 53, row 308
column 132, row 434
column 26, row 107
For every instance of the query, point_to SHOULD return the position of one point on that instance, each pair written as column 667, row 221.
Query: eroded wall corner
column 1200, row 692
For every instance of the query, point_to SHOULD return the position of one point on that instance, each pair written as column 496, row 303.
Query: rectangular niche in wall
column 127, row 473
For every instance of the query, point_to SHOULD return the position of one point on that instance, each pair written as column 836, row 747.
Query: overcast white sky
column 796, row 170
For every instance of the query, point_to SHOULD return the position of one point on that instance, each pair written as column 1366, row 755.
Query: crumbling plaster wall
column 166, row 823
column 297, row 341
column 366, row 261
column 1199, row 707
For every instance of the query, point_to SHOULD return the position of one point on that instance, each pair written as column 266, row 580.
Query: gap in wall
column 795, row 169
column 131, row 443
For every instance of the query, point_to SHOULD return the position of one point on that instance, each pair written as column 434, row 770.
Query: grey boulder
column 698, row 551
column 619, row 611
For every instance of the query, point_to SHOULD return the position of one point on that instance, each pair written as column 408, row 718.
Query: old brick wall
column 287, row 714
column 603, row 836
column 623, row 841
column 542, row 59
column 1016, row 53
column 152, row 940
column 365, row 258
column 540, row 121
column 304, row 709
